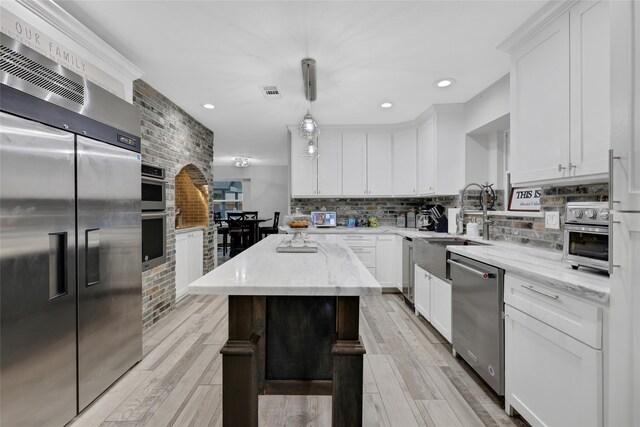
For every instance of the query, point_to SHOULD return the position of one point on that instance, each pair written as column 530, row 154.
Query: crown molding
column 66, row 24
column 545, row 15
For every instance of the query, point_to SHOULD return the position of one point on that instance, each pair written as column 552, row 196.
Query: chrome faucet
column 485, row 199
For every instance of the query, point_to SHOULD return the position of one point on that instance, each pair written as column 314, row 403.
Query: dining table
column 253, row 223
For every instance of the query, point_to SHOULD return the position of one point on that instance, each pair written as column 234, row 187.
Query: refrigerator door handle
column 57, row 265
column 92, row 256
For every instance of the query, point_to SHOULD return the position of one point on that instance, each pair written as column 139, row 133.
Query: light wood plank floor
column 410, row 376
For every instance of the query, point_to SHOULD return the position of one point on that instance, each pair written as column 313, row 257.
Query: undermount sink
column 432, row 254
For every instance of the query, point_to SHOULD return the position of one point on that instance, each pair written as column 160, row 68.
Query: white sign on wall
column 525, row 199
column 26, row 34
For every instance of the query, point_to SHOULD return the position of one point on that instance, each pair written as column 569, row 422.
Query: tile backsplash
column 516, row 229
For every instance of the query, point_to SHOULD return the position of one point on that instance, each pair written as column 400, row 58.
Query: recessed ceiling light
column 209, row 106
column 386, row 105
column 444, row 82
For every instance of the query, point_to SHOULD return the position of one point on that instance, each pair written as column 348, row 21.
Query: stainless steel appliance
column 477, row 322
column 154, row 244
column 153, row 188
column 154, row 217
column 586, row 235
column 408, row 271
column 70, row 230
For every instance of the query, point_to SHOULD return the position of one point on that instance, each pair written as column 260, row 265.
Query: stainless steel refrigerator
column 70, row 240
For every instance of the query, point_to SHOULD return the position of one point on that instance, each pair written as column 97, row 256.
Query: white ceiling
column 219, row 52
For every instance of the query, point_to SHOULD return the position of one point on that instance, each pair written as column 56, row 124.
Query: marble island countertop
column 544, row 266
column 261, row 270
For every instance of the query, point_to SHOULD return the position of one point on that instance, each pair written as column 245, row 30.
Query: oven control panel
column 588, row 213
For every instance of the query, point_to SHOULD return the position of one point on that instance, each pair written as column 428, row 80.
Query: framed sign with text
column 525, row 199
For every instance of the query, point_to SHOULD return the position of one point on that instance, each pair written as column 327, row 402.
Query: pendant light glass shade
column 308, row 127
column 311, row 150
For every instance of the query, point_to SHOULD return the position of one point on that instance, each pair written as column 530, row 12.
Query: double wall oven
column 154, row 217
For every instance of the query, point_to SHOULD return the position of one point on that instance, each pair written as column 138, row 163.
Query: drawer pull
column 531, row 288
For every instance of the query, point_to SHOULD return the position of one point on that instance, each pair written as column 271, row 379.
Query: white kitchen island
column 293, row 327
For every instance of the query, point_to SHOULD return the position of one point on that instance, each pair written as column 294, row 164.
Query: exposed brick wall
column 385, row 210
column 520, row 230
column 171, row 139
column 192, row 200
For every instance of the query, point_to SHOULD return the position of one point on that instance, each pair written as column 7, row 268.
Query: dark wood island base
column 304, row 345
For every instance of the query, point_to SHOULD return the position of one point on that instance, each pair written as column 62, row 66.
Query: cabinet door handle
column 560, row 167
column 572, row 166
column 531, row 288
column 611, row 201
column 611, row 222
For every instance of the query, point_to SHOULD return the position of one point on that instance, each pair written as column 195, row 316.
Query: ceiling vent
column 270, row 91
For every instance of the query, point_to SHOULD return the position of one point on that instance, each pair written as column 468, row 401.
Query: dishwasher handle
column 479, row 273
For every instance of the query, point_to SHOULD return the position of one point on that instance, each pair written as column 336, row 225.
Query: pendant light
column 308, row 128
column 311, row 150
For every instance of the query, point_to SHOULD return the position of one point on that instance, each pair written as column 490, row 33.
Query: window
column 227, row 197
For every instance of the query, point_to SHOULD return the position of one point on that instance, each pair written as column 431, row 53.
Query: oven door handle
column 151, row 214
column 586, row 229
column 153, row 179
column 479, row 273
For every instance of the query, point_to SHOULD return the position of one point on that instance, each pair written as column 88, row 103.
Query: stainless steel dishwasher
column 477, row 324
column 408, row 271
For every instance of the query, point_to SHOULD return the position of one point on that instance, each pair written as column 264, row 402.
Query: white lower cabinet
column 188, row 260
column 423, row 292
column 386, row 260
column 551, row 378
column 433, row 300
column 364, row 246
column 381, row 254
column 441, row 306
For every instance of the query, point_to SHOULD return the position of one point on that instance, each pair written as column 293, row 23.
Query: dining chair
column 239, row 232
column 223, row 230
column 265, row 231
column 252, row 222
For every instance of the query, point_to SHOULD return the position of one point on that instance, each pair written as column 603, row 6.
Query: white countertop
column 260, row 270
column 190, row 229
column 544, row 266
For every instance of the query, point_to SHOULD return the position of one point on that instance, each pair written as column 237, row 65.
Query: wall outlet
column 552, row 220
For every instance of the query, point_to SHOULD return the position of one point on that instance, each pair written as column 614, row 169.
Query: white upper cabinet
column 540, row 105
column 321, row 177
column 590, row 83
column 426, row 158
column 560, row 103
column 405, row 162
column 354, row 164
column 330, row 165
column 303, row 169
column 625, row 138
column 379, row 165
